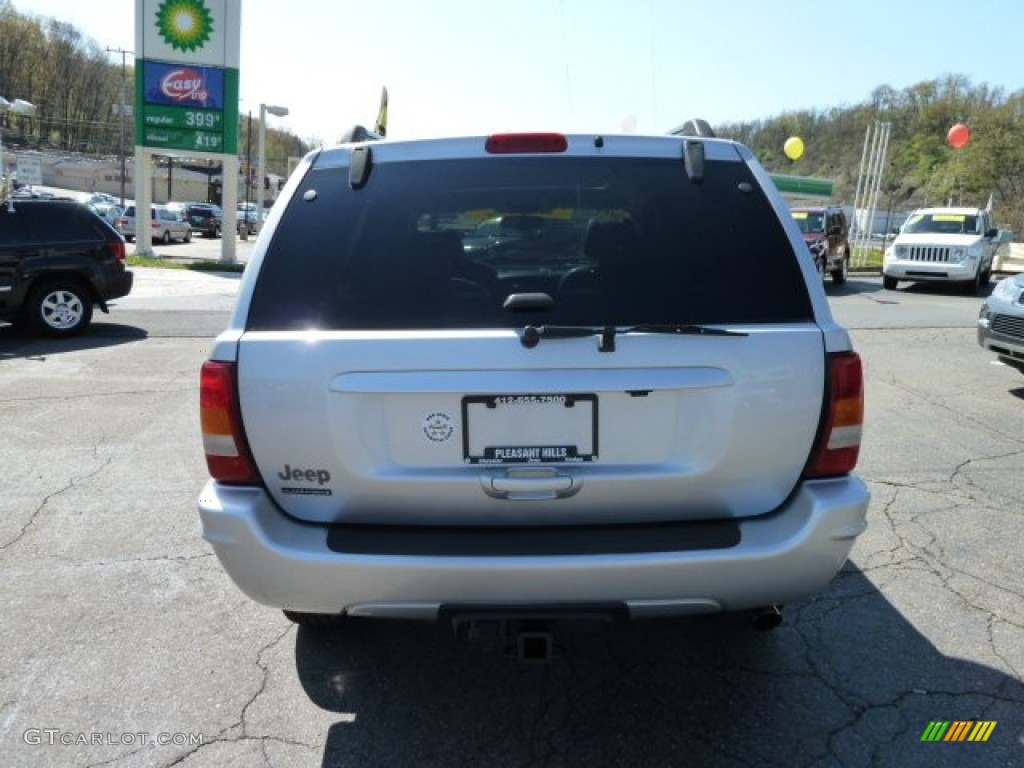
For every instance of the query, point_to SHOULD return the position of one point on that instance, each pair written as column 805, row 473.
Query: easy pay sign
column 186, row 75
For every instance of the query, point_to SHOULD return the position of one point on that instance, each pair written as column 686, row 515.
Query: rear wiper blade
column 683, row 329
column 532, row 334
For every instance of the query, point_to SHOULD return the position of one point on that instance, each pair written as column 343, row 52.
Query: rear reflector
column 227, row 450
column 838, row 443
column 525, row 143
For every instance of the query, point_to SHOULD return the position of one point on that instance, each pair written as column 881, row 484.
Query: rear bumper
column 790, row 554
column 119, row 285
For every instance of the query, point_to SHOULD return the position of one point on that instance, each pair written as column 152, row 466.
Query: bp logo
column 184, row 24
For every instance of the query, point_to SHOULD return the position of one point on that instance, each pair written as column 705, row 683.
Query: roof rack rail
column 694, row 127
column 358, row 133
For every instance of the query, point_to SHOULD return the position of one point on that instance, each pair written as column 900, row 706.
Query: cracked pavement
column 120, row 623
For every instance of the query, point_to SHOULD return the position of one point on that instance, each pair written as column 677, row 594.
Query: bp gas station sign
column 187, row 75
column 186, row 95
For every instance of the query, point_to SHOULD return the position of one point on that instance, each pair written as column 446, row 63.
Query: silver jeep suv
column 642, row 407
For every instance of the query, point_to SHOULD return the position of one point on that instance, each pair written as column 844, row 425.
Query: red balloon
column 958, row 136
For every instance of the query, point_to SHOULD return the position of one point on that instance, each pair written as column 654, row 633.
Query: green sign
column 803, row 185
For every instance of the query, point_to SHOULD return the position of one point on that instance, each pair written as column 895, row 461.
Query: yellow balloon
column 794, row 147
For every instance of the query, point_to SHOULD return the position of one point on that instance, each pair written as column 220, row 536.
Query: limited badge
column 438, row 427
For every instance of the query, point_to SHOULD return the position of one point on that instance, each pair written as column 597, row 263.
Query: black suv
column 57, row 259
column 205, row 218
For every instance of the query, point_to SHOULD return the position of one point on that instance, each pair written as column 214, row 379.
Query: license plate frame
column 542, row 419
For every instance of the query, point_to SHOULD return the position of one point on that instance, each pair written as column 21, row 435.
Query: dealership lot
column 127, row 645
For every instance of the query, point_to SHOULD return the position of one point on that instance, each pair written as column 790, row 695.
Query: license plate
column 529, row 429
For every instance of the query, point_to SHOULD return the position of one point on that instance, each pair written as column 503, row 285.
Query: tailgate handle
column 540, row 483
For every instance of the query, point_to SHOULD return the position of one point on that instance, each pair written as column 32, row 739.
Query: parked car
column 110, row 212
column 246, row 214
column 519, row 230
column 612, row 426
column 58, row 259
column 943, row 244
column 206, row 218
column 167, row 225
column 827, row 234
column 1001, row 321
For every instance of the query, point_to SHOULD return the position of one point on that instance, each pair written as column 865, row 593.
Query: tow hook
column 530, row 641
column 766, row 618
column 534, row 634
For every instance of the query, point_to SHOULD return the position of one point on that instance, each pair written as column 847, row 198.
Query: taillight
column 118, row 250
column 227, row 450
column 838, row 444
column 525, row 143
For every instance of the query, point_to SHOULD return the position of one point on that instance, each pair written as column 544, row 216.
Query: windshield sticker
column 799, row 214
column 948, row 217
column 438, row 427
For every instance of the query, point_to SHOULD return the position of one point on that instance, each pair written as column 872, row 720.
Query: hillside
column 921, row 167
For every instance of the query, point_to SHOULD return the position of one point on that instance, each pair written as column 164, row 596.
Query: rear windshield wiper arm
column 532, row 334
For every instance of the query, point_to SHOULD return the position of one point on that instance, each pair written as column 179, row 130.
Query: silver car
column 168, row 225
column 1001, row 321
column 605, row 418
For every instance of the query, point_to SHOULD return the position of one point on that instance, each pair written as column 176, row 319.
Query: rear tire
column 188, row 236
column 317, row 620
column 166, row 239
column 59, row 308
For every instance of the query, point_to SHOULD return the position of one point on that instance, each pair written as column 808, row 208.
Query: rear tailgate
column 470, row 427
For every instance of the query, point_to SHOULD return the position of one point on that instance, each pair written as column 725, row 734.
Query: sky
column 472, row 67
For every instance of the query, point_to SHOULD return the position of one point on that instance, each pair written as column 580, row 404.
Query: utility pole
column 120, row 110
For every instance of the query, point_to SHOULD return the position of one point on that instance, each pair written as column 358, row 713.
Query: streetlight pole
column 120, row 109
column 261, row 157
column 18, row 107
column 248, row 169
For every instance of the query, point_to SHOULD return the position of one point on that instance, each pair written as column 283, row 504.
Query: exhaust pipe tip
column 768, row 618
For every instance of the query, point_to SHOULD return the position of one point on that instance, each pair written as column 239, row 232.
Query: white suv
column 604, row 416
column 943, row 244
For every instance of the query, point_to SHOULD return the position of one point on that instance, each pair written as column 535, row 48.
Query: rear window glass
column 50, row 222
column 443, row 244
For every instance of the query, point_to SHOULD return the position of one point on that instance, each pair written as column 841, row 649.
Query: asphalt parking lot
column 126, row 645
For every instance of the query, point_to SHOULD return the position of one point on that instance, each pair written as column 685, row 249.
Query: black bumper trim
column 535, row 541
